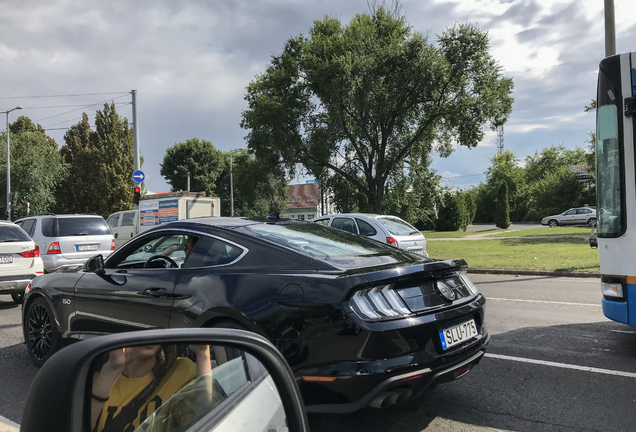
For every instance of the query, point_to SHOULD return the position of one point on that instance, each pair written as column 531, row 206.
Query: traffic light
column 137, row 195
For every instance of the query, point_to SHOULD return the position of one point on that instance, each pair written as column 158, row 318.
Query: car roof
column 229, row 223
column 87, row 215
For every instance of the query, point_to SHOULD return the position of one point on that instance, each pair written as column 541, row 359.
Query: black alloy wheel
column 42, row 336
column 592, row 222
column 552, row 223
column 17, row 297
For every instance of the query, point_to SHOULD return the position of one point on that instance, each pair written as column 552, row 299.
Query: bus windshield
column 608, row 172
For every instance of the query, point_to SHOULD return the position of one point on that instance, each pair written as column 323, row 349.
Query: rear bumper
column 15, row 284
column 415, row 381
column 385, row 357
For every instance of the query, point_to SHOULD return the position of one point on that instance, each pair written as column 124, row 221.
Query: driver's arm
column 167, row 251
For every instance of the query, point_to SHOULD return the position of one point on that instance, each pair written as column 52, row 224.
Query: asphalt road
column 547, row 336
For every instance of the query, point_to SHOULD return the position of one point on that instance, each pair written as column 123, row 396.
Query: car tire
column 17, row 297
column 42, row 336
column 552, row 223
column 591, row 222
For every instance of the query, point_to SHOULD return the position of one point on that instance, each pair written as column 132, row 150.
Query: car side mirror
column 95, row 264
column 178, row 379
column 147, row 248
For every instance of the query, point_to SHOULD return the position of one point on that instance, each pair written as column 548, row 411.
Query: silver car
column 67, row 240
column 573, row 216
column 386, row 229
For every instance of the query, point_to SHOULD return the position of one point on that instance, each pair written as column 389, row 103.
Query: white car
column 20, row 260
column 386, row 229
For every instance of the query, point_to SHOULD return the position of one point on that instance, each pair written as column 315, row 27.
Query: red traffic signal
column 137, row 195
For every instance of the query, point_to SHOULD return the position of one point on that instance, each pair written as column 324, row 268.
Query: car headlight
column 612, row 287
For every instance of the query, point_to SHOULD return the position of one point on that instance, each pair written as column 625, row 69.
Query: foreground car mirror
column 95, row 264
column 166, row 380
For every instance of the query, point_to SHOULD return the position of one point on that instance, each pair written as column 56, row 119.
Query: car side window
column 570, row 212
column 324, row 222
column 113, row 221
column 584, row 211
column 128, row 219
column 345, row 224
column 29, row 226
column 49, row 227
column 212, row 252
column 366, row 228
column 171, row 246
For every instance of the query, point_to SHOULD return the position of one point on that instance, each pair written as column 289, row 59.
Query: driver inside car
column 187, row 247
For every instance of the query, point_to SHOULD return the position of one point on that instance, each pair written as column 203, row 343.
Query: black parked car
column 360, row 322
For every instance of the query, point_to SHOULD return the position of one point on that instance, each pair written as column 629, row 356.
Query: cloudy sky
column 190, row 62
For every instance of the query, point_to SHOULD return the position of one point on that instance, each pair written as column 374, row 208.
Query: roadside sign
column 138, row 176
column 311, row 181
column 585, row 176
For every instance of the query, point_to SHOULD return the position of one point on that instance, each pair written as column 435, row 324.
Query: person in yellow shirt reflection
column 135, row 381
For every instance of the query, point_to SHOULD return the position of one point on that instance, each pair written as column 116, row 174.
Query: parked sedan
column 386, row 229
column 20, row 260
column 359, row 322
column 573, row 216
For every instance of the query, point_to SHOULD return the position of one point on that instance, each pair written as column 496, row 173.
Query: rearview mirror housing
column 70, row 373
column 95, row 264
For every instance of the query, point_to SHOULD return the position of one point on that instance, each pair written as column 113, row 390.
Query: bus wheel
column 552, row 223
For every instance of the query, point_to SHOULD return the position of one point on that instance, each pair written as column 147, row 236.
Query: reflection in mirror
column 174, row 387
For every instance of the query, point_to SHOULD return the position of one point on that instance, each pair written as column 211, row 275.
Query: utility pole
column 231, row 189
column 610, row 29
column 9, row 164
column 135, row 137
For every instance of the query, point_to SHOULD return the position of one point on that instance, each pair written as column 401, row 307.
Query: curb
column 534, row 273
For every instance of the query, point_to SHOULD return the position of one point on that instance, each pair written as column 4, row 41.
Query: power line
column 63, row 106
column 79, row 109
column 62, row 95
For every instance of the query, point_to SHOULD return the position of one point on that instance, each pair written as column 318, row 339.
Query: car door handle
column 156, row 292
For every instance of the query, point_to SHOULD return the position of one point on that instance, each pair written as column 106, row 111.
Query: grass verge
column 547, row 231
column 456, row 234
column 559, row 254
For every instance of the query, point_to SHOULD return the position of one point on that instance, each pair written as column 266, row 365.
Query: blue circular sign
column 138, row 176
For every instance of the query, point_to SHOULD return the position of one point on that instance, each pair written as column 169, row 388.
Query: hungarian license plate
column 6, row 259
column 457, row 335
column 82, row 248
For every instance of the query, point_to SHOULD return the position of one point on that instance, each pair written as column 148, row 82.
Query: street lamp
column 8, row 164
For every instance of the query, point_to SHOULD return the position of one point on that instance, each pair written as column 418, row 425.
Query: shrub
column 502, row 211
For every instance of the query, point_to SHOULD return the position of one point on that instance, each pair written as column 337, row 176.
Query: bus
column 616, row 185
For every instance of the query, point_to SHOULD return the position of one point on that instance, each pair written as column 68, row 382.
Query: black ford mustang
column 360, row 322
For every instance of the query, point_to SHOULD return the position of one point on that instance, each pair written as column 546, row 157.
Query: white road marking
column 544, row 301
column 562, row 365
column 623, row 331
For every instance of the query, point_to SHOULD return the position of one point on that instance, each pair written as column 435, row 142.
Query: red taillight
column 392, row 241
column 31, row 253
column 54, row 248
column 112, row 245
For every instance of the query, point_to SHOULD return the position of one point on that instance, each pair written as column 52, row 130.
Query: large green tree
column 36, row 171
column 197, row 157
column 359, row 100
column 260, row 186
column 101, row 165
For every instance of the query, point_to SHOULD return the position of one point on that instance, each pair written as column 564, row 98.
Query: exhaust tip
column 404, row 395
column 384, row 400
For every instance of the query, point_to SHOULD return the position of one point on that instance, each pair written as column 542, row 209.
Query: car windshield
column 318, row 241
column 397, row 226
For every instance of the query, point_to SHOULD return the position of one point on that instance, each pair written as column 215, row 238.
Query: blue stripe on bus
column 633, row 81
